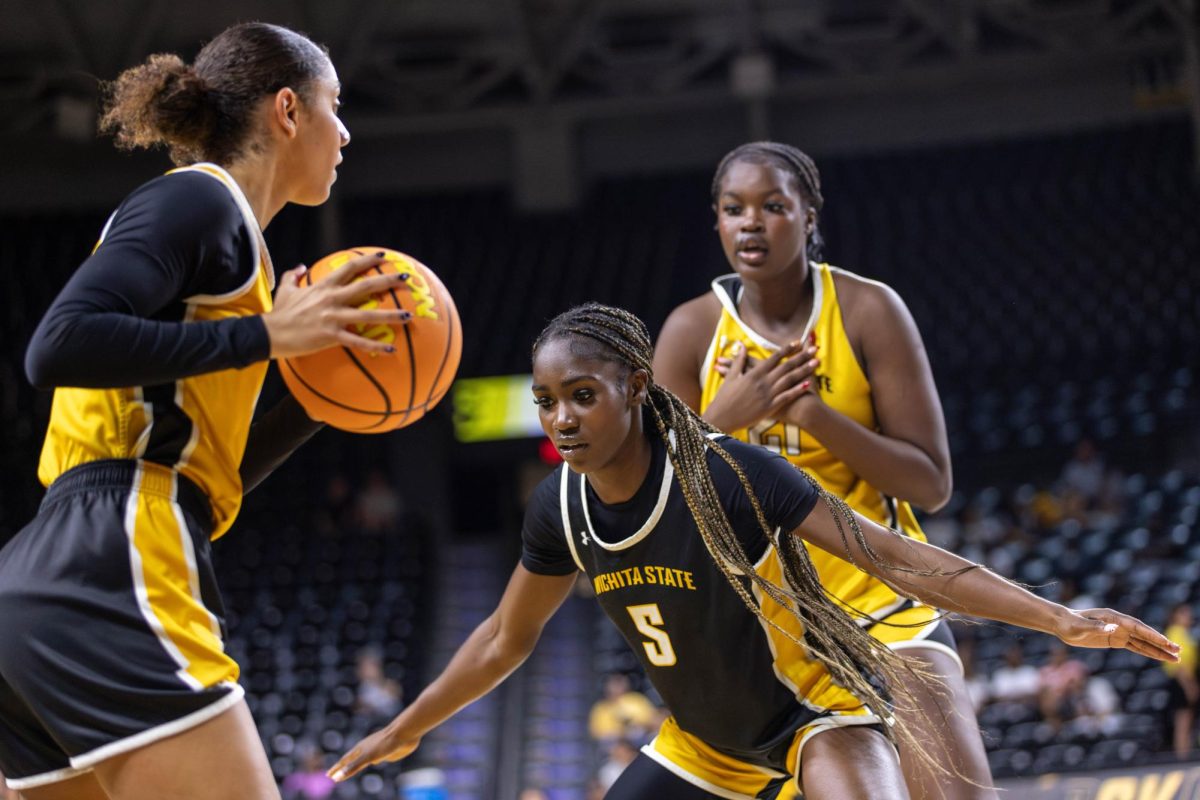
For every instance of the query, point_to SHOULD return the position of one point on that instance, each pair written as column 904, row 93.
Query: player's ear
column 285, row 111
column 638, row 387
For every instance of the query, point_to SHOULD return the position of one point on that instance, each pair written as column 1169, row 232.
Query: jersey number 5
column 658, row 649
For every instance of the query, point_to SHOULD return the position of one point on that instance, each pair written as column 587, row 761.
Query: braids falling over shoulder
column 855, row 659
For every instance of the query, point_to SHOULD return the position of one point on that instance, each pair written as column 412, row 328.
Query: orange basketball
column 376, row 392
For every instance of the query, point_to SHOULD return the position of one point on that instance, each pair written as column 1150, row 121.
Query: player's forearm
column 485, row 659
column 274, row 437
column 893, row 466
column 74, row 347
column 947, row 581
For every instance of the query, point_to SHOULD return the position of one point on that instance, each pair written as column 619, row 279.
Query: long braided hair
column 793, row 160
column 854, row 658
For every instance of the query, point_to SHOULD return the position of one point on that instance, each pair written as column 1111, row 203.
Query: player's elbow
column 43, row 366
column 935, row 492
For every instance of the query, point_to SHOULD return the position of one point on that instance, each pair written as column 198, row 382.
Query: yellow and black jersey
column 843, row 387
column 730, row 680
column 155, row 345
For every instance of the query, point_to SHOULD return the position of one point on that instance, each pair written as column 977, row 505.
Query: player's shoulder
column 860, row 296
column 750, row 457
column 693, row 320
column 189, row 194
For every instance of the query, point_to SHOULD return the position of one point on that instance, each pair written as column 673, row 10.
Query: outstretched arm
column 940, row 578
column 498, row 646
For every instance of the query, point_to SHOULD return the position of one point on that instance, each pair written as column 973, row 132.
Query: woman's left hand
column 1103, row 627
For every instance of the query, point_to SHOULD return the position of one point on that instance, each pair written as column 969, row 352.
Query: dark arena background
column 1023, row 172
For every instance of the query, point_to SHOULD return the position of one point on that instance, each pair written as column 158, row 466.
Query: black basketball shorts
column 111, row 627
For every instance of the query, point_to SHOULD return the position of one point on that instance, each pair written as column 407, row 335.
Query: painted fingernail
column 389, row 349
column 403, row 276
column 380, row 254
column 405, row 315
column 812, row 336
column 338, row 775
column 1110, row 627
column 806, row 384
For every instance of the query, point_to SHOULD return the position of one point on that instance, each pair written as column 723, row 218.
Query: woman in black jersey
column 694, row 544
column 114, row 682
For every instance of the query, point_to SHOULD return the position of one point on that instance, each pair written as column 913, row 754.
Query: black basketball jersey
column 727, row 677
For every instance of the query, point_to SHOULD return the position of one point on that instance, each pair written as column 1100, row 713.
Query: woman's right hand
column 382, row 745
column 310, row 318
column 756, row 390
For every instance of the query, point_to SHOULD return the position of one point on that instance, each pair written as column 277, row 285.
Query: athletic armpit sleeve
column 176, row 237
column 544, row 549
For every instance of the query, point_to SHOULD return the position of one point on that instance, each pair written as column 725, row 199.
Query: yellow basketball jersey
column 844, row 388
column 198, row 425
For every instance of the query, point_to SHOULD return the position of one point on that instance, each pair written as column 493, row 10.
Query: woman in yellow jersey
column 1184, row 686
column 828, row 369
column 114, row 682
column 694, row 542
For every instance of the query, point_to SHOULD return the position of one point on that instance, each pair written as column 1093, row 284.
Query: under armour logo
column 583, row 537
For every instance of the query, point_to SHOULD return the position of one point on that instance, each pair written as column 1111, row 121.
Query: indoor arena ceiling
column 458, row 60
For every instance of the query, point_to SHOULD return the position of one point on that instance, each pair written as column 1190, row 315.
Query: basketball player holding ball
column 113, row 678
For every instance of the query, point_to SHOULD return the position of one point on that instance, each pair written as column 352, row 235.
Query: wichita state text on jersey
column 728, row 678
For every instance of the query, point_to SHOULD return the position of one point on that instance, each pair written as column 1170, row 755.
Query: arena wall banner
column 1163, row 782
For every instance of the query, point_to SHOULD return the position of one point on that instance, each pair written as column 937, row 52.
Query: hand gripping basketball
column 402, row 309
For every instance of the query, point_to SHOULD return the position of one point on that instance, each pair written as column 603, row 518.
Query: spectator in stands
column 378, row 696
column 156, row 350
column 1184, row 686
column 310, row 782
column 828, row 369
column 1100, row 712
column 377, row 508
column 1016, row 681
column 622, row 713
column 337, row 507
column 696, row 544
column 1084, row 473
column 620, row 755
column 1061, row 685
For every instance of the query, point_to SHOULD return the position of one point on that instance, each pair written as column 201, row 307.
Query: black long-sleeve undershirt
column 119, row 321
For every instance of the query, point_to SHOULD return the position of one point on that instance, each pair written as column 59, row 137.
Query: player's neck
column 620, row 479
column 780, row 302
column 257, row 180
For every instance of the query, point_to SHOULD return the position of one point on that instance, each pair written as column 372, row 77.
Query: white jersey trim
column 664, row 490
column 45, row 778
column 262, row 258
column 695, row 780
column 219, row 706
column 721, row 288
column 563, row 487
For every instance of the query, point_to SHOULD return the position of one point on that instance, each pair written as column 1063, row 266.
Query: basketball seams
column 450, row 325
column 418, row 340
column 383, row 392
